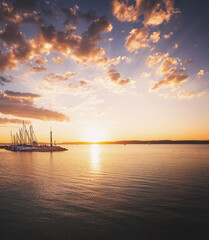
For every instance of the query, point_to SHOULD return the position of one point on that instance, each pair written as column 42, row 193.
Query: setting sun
column 94, row 134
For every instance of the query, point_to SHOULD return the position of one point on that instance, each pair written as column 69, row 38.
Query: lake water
column 106, row 192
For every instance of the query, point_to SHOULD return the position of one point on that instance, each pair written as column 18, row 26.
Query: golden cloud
column 156, row 58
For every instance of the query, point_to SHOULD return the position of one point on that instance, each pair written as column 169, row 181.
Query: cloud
column 8, row 14
column 154, row 12
column 36, row 69
column 4, row 80
column 115, row 77
column 137, row 39
column 56, row 77
column 155, row 37
column 166, row 36
column 13, row 120
column 201, row 94
column 40, row 60
column 182, row 94
column 189, row 61
column 201, row 73
column 146, row 74
column 176, row 45
column 25, row 4
column 21, row 94
column 21, row 107
column 156, row 58
column 57, row 59
column 170, row 81
column 166, row 66
column 70, row 15
column 123, row 12
column 81, row 85
column 11, row 34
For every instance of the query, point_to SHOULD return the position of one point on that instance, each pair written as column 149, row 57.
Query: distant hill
column 146, row 142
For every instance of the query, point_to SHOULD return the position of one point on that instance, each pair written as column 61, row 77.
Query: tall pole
column 51, row 137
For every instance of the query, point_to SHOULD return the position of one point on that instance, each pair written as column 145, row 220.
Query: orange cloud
column 166, row 66
column 170, row 81
column 57, row 59
column 56, row 77
column 123, row 12
column 154, row 12
column 21, row 107
column 201, row 73
column 137, row 39
column 155, row 37
column 115, row 77
column 166, row 36
column 156, row 58
column 40, row 60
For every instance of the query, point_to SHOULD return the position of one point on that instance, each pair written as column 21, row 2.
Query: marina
column 25, row 141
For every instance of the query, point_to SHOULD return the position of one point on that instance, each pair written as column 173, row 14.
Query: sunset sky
column 105, row 70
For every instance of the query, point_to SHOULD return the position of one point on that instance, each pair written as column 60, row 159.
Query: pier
column 25, row 141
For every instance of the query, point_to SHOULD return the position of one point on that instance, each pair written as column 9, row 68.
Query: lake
column 106, row 192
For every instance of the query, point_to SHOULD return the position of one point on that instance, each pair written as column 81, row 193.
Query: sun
column 94, row 134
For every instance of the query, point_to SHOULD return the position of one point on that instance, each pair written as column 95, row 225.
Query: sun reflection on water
column 95, row 158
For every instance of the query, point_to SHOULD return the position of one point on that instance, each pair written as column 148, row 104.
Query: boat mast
column 51, row 137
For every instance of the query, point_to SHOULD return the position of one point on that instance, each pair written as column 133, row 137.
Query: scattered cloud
column 56, row 77
column 155, row 37
column 146, row 74
column 170, row 81
column 201, row 94
column 201, row 73
column 176, row 45
column 40, row 60
column 36, row 69
column 156, row 58
column 137, row 39
column 116, row 77
column 188, row 61
column 57, row 59
column 166, row 36
column 154, row 12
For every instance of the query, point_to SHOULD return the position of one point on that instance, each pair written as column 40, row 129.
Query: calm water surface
column 106, row 192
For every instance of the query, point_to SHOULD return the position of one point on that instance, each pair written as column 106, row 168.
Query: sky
column 105, row 70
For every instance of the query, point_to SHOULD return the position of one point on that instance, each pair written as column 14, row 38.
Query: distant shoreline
column 143, row 142
column 132, row 142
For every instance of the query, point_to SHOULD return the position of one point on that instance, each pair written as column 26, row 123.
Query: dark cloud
column 11, row 34
column 21, row 95
column 26, row 108
column 13, row 120
column 8, row 14
column 70, row 15
column 4, row 80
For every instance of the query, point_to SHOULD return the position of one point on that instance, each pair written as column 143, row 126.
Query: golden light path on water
column 95, row 156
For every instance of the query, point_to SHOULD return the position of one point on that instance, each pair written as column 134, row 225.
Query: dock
column 25, row 141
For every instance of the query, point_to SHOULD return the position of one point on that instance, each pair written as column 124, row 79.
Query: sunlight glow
column 95, row 151
column 94, row 134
